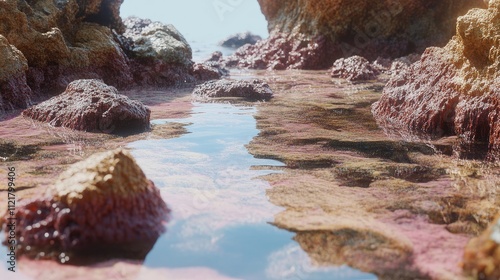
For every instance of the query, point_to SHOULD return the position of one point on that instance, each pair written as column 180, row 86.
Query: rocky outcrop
column 482, row 255
column 91, row 105
column 354, row 68
column 240, row 39
column 311, row 34
column 451, row 90
column 209, row 70
column 62, row 41
column 255, row 90
column 103, row 206
column 15, row 93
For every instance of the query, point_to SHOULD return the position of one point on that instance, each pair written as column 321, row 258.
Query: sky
column 202, row 20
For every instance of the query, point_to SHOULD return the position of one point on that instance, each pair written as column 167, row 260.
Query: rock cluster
column 451, row 90
column 45, row 45
column 482, row 255
column 91, row 105
column 255, row 90
column 102, row 206
column 354, row 68
column 311, row 34
column 240, row 39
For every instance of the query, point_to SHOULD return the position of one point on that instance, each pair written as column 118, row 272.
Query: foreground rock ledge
column 103, row 206
column 451, row 90
column 255, row 90
column 91, row 105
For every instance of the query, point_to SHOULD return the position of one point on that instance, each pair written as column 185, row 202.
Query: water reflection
column 220, row 210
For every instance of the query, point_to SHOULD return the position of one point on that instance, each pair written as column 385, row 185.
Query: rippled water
column 220, row 212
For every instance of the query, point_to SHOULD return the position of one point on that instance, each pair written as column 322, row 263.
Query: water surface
column 220, row 212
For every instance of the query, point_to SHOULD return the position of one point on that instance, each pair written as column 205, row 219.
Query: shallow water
column 203, row 50
column 220, row 212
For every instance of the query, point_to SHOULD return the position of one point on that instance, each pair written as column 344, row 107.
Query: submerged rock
column 451, row 90
column 482, row 255
column 254, row 91
column 354, row 68
column 240, row 39
column 91, row 105
column 312, row 34
column 101, row 207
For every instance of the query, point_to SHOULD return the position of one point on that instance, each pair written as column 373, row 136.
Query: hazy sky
column 202, row 20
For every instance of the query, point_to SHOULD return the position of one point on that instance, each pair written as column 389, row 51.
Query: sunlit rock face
column 58, row 42
column 451, row 90
column 91, row 105
column 311, row 34
column 103, row 206
column 482, row 255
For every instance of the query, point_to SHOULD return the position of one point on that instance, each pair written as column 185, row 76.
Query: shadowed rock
column 101, row 207
column 253, row 91
column 240, row 39
column 91, row 105
column 354, row 68
column 482, row 255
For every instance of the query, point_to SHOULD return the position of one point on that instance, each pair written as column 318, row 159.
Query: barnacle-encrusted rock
column 482, row 255
column 451, row 90
column 102, row 206
column 91, row 105
column 254, row 91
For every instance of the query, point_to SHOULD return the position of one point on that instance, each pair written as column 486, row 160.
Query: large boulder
column 311, row 34
column 255, row 90
column 103, row 206
column 451, row 90
column 91, row 105
column 14, row 92
column 482, row 255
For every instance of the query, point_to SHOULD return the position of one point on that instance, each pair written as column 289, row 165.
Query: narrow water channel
column 220, row 213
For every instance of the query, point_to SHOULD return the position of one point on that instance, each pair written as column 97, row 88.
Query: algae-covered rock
column 102, row 206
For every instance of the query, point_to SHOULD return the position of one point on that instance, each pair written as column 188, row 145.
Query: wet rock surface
column 57, row 42
column 101, row 207
column 306, row 34
column 239, row 40
column 209, row 70
column 255, row 90
column 452, row 90
column 354, row 68
column 91, row 105
column 482, row 255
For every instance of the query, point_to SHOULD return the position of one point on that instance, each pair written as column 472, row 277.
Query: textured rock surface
column 482, row 255
column 91, row 105
column 254, row 90
column 161, row 55
column 451, row 90
column 354, row 68
column 102, row 206
column 240, row 39
column 14, row 92
column 209, row 70
column 311, row 34
column 62, row 41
